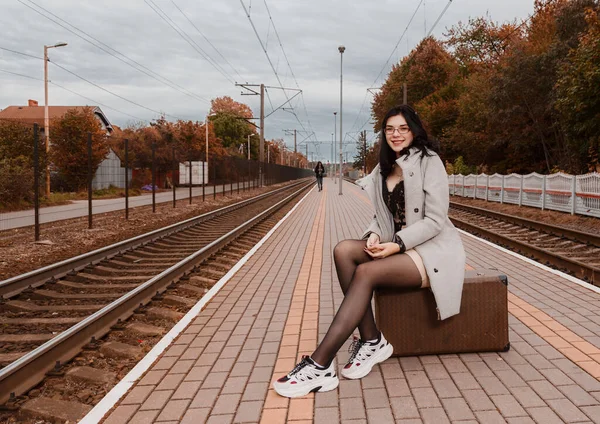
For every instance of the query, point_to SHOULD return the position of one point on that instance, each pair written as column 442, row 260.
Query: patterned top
column 395, row 203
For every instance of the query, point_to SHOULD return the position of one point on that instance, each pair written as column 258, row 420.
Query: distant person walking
column 319, row 172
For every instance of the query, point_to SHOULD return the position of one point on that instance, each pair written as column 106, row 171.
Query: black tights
column 359, row 275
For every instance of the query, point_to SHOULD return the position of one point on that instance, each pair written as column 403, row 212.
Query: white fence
column 576, row 194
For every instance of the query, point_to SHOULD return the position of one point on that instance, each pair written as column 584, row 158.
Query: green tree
column 361, row 151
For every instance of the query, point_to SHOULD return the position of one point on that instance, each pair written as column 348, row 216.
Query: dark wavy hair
column 387, row 157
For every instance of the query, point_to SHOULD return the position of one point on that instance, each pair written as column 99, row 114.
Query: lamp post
column 341, row 49
column 46, row 117
column 334, row 149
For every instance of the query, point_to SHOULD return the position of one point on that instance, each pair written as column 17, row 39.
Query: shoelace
column 304, row 362
column 354, row 348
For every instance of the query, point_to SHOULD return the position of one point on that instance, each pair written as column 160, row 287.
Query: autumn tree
column 231, row 121
column 578, row 96
column 69, row 152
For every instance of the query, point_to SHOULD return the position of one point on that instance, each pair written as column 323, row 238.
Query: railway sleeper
column 86, row 276
column 51, row 294
column 20, row 306
column 84, row 286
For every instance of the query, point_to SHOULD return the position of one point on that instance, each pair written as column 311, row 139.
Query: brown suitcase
column 408, row 318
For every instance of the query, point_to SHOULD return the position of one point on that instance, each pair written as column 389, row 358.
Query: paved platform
column 282, row 300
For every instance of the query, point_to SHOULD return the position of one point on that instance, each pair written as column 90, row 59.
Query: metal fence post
column 190, row 175
column 544, row 193
column 36, row 181
column 203, row 182
column 475, row 189
column 487, row 188
column 153, row 178
column 502, row 191
column 574, row 194
column 126, row 179
column 89, row 146
column 521, row 192
column 214, row 181
column 173, row 180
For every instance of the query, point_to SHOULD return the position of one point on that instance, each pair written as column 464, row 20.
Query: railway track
column 48, row 316
column 573, row 251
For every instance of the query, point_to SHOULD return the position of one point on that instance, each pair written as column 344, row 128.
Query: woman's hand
column 382, row 250
column 372, row 240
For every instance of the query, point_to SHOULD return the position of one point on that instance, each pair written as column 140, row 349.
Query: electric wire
column 188, row 39
column 145, row 70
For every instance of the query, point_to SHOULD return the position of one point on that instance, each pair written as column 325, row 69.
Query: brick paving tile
column 465, row 381
column 457, row 409
column 157, row 400
column 214, row 380
column 234, row 385
column 380, row 415
column 373, row 380
column 248, row 412
column 410, row 421
column 143, row 417
column 593, row 412
column 220, row 419
column 417, row 379
column 527, row 397
column 530, row 373
column 327, row 415
column 411, row 363
column 349, row 388
column 352, row 408
column 546, row 390
column 205, row 398
column 404, row 407
column 327, row 399
column 578, row 396
column 445, row 388
column 152, row 378
column 223, row 365
column 170, row 382
column 255, row 391
column 567, row 410
column 376, row 398
column 436, row 371
column 186, row 390
column 137, row 395
column 508, row 406
column 301, row 409
column 174, row 410
column 426, row 398
column 478, row 400
column 121, row 414
column 397, row 387
column 490, row 417
column 197, row 374
column 544, row 415
column 274, row 416
column 520, row 420
column 434, row 416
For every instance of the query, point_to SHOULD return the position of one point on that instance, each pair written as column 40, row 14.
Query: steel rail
column 579, row 269
column 575, row 235
column 30, row 369
column 14, row 285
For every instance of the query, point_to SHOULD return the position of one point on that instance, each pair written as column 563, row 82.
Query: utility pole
column 295, row 150
column 334, row 148
column 341, row 49
column 365, row 149
column 262, row 135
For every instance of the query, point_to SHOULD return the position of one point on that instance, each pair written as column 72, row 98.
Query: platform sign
column 184, row 173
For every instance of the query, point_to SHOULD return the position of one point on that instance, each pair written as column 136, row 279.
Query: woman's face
column 397, row 133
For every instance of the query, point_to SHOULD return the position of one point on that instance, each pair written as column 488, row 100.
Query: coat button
column 410, row 174
column 435, row 270
column 416, row 210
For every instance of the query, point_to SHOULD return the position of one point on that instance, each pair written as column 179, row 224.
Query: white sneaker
column 364, row 356
column 307, row 377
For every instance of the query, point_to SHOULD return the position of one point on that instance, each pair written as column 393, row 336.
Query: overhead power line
column 270, row 61
column 95, row 102
column 109, row 50
column 207, row 40
column 188, row 39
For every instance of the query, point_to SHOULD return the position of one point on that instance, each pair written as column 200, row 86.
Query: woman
column 410, row 243
column 319, row 172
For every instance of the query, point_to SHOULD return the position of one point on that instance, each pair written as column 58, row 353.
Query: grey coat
column 428, row 229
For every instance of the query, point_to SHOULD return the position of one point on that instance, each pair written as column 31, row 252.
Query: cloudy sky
column 173, row 56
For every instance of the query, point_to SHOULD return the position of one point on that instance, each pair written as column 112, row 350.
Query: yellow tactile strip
column 582, row 353
column 300, row 331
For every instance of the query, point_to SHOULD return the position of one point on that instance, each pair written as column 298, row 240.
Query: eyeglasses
column 405, row 129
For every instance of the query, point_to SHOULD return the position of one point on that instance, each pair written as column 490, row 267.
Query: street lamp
column 334, row 149
column 341, row 49
column 46, row 116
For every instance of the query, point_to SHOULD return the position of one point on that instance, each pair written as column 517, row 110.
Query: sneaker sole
column 382, row 355
column 294, row 392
